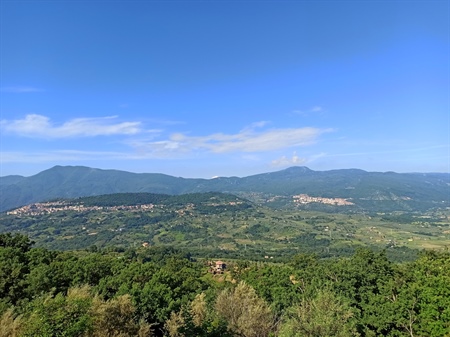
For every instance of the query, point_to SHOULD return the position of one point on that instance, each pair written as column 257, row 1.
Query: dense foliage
column 163, row 291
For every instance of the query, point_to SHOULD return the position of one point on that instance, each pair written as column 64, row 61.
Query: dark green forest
column 162, row 291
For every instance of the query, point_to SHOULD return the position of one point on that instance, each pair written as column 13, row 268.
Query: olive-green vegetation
column 165, row 292
column 211, row 224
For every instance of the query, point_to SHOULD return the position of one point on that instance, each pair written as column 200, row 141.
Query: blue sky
column 225, row 88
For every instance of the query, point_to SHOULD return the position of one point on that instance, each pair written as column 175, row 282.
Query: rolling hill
column 220, row 224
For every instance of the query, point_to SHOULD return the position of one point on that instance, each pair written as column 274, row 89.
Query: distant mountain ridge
column 402, row 191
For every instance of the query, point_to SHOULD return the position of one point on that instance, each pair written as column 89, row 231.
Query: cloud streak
column 295, row 160
column 59, row 156
column 39, row 126
column 248, row 140
column 20, row 89
column 313, row 110
column 144, row 144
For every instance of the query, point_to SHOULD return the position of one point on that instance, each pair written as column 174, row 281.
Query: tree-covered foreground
column 164, row 292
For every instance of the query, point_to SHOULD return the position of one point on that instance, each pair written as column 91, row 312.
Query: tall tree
column 245, row 313
column 326, row 315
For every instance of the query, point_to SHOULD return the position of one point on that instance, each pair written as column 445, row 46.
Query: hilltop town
column 41, row 208
column 306, row 199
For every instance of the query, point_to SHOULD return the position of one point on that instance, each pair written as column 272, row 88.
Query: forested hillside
column 366, row 191
column 164, row 292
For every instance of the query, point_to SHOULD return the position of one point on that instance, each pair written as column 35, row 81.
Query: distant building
column 220, row 265
column 217, row 267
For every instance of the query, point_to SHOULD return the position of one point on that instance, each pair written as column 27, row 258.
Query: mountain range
column 365, row 190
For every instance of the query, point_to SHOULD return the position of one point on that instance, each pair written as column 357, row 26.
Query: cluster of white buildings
column 58, row 206
column 306, row 199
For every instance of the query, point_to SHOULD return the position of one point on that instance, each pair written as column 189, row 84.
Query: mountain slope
column 368, row 190
column 8, row 180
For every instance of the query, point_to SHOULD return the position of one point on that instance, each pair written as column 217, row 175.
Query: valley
column 221, row 224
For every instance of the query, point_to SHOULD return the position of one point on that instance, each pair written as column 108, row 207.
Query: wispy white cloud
column 20, row 89
column 40, row 126
column 255, row 125
column 317, row 109
column 286, row 161
column 60, row 156
column 295, row 160
column 150, row 144
column 248, row 140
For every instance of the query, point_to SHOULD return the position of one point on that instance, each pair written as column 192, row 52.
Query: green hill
column 220, row 224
